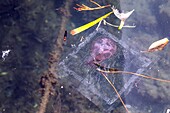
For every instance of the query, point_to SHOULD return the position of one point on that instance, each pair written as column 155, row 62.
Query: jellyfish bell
column 102, row 48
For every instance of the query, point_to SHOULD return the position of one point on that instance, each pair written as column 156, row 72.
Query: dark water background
column 29, row 28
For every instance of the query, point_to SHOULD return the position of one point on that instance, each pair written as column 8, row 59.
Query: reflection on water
column 152, row 21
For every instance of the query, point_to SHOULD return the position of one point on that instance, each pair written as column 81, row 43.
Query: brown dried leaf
column 158, row 45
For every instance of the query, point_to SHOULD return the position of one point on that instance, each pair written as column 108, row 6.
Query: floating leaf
column 88, row 25
column 122, row 16
column 158, row 45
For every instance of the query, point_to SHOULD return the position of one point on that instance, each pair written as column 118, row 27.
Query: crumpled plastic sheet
column 89, row 82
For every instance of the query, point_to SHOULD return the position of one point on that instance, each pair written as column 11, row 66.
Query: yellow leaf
column 88, row 25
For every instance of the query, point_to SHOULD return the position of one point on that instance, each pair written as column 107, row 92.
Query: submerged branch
column 48, row 79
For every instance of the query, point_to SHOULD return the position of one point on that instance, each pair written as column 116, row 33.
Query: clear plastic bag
column 84, row 77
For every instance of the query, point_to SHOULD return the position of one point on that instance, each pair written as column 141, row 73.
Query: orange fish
column 65, row 36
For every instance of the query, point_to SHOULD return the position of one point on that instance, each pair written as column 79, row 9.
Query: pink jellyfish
column 102, row 49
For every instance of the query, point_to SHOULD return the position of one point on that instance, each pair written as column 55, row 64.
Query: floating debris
column 82, row 38
column 3, row 73
column 158, row 45
column 85, row 8
column 127, row 26
column 122, row 16
column 88, row 25
column 5, row 54
column 73, row 45
column 114, row 71
column 168, row 111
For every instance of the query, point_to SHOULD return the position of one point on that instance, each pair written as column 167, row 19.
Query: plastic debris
column 5, row 54
column 89, row 82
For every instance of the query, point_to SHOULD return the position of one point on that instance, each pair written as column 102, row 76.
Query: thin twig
column 140, row 75
column 83, row 7
column 107, row 23
column 115, row 91
column 114, row 70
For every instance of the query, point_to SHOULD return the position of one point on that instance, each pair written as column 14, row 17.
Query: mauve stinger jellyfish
column 108, row 50
column 101, row 49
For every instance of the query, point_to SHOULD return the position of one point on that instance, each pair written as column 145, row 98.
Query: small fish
column 104, row 69
column 158, row 45
column 65, row 36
